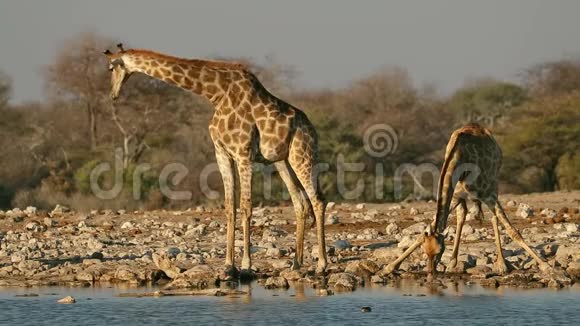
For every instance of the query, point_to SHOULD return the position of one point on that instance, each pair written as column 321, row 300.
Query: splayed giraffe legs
column 302, row 208
column 514, row 234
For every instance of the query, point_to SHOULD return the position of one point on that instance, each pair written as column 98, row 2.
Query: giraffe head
column 433, row 246
column 120, row 69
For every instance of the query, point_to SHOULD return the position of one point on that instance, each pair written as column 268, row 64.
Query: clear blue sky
column 329, row 42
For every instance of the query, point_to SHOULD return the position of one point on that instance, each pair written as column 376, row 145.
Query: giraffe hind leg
column 304, row 169
column 302, row 207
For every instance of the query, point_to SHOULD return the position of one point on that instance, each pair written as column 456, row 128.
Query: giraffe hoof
column 321, row 271
column 247, row 275
column 500, row 268
column 295, row 266
column 230, row 273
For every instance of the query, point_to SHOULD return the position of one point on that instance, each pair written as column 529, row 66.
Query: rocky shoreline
column 186, row 249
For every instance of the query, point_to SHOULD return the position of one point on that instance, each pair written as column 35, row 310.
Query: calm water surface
column 466, row 305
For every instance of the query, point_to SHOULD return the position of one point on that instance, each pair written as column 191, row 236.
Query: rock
column 549, row 213
column 277, row 282
column 362, row 268
column 406, row 242
column 166, row 265
column 124, row 273
column 274, row 253
column 330, row 205
column 324, row 292
column 554, row 284
column 525, row 211
column 292, row 275
column 413, row 211
column 172, row 252
column 574, row 268
column 59, row 210
column 30, row 210
column 281, row 264
column 377, row 279
column 127, row 225
column 97, row 255
column 360, row 206
column 387, row 255
column 198, row 277
column 365, row 309
column 344, row 281
column 392, row 229
column 490, row 282
column 48, row 222
column 480, row 272
column 67, row 300
column 35, row 227
column 512, row 203
column 415, row 229
column 332, row 219
column 571, row 227
column 342, row 244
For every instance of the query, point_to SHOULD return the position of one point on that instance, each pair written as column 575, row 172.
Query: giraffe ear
column 120, row 47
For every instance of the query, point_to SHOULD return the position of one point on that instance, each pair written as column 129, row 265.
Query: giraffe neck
column 206, row 78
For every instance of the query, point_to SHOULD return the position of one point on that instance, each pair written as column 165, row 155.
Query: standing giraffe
column 470, row 171
column 248, row 122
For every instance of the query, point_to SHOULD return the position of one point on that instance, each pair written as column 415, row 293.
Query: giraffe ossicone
column 247, row 119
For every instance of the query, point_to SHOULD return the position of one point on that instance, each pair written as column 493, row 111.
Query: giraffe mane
column 200, row 62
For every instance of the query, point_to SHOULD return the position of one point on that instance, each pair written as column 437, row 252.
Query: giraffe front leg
column 461, row 214
column 226, row 168
column 499, row 266
column 517, row 237
column 245, row 173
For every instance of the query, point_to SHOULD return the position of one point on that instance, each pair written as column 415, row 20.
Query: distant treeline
column 49, row 149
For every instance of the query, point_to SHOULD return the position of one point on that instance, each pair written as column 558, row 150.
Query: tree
column 79, row 74
column 553, row 78
column 5, row 89
column 485, row 101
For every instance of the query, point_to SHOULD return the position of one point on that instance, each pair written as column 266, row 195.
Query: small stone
column 332, row 219
column 571, row 227
column 276, row 282
column 392, row 229
column 97, row 255
column 342, row 244
column 330, row 205
column 360, row 206
column 549, row 213
column 512, row 203
column 127, row 225
column 525, row 211
column 324, row 292
column 365, row 309
column 59, row 210
column 49, row 222
column 67, row 300
column 413, row 211
column 30, row 210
